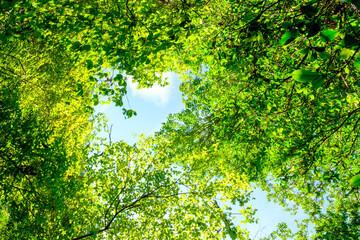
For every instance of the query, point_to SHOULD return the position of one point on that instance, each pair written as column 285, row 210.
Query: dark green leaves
column 349, row 41
column 129, row 113
column 119, row 79
column 355, row 181
column 286, row 25
column 357, row 63
column 89, row 64
column 305, row 50
column 305, row 76
column 319, row 49
column 309, row 11
column 324, row 55
column 312, row 28
column 288, row 37
column 328, row 35
column 118, row 102
column 79, row 89
column 86, row 47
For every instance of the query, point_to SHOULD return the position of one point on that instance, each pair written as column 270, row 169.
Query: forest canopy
column 271, row 93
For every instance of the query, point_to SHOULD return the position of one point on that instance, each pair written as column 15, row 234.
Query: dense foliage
column 271, row 97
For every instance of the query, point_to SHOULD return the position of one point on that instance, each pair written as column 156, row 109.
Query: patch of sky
column 152, row 106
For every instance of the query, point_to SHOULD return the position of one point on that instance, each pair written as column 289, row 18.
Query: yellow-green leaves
column 346, row 53
column 246, row 120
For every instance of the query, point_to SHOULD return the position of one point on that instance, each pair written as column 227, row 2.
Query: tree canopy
column 271, row 96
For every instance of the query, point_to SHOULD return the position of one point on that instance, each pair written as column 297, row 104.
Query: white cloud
column 156, row 94
column 102, row 108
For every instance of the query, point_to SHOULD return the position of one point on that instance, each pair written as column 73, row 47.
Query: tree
column 143, row 195
column 53, row 184
column 271, row 97
column 280, row 96
column 36, row 167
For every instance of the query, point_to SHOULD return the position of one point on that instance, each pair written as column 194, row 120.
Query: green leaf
column 286, row 24
column 324, row 55
column 328, row 35
column 131, row 113
column 76, row 45
column 3, row 38
column 318, row 83
column 346, row 53
column 210, row 58
column 118, row 102
column 349, row 41
column 304, row 51
column 128, row 113
column 119, row 79
column 96, row 231
column 89, row 64
column 86, row 48
column 357, row 63
column 355, row 181
column 288, row 37
column 305, row 76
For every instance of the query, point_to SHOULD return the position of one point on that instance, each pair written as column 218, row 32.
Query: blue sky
column 152, row 107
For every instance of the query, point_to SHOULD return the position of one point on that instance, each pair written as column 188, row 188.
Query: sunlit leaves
column 271, row 99
column 346, row 53
column 141, row 189
column 278, row 104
